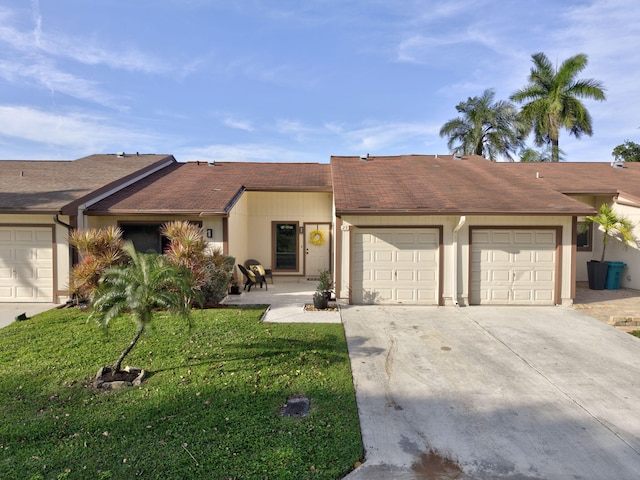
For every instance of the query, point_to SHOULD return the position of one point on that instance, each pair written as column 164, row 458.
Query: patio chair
column 251, row 278
column 266, row 273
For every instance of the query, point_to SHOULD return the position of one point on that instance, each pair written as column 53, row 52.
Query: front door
column 317, row 240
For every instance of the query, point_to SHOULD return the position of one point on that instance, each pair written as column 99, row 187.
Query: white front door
column 317, row 244
column 26, row 264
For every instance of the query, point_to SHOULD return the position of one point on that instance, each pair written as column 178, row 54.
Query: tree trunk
column 116, row 366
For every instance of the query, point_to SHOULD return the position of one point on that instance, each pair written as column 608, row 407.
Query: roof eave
column 372, row 211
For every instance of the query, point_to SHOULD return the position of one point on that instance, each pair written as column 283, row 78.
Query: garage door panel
column 408, row 256
column 498, row 238
column 513, row 266
column 404, row 270
column 545, row 238
column 382, row 275
column 543, row 276
column 406, row 275
column 499, row 256
column 26, row 264
column 383, row 256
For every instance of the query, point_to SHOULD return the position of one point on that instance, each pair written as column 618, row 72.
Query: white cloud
column 387, row 135
column 73, row 131
column 253, row 152
column 238, row 124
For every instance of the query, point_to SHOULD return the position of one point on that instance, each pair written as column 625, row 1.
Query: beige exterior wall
column 616, row 249
column 630, row 254
column 456, row 252
column 61, row 255
column 250, row 222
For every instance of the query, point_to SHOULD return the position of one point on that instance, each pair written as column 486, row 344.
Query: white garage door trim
column 26, row 263
column 396, row 265
column 514, row 266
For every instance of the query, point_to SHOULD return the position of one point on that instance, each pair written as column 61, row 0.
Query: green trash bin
column 614, row 274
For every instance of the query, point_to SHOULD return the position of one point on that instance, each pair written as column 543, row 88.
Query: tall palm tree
column 486, row 128
column 552, row 100
column 147, row 283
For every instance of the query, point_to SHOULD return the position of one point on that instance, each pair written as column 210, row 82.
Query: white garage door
column 26, row 264
column 395, row 265
column 513, row 267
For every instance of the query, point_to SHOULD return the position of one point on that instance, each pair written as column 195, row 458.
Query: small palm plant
column 612, row 225
column 148, row 282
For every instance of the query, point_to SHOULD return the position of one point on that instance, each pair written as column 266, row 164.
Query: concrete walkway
column 287, row 299
column 494, row 393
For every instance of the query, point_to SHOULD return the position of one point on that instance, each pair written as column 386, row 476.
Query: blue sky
column 291, row 80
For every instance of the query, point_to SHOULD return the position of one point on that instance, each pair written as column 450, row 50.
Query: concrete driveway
column 494, row 393
column 9, row 311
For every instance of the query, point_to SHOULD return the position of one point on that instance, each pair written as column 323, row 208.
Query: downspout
column 72, row 250
column 57, row 220
column 454, row 273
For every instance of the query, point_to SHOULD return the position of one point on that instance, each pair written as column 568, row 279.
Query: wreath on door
column 317, row 237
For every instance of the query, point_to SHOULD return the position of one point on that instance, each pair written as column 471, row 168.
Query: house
column 39, row 202
column 411, row 229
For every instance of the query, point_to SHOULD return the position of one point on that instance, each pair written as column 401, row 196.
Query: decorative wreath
column 317, row 237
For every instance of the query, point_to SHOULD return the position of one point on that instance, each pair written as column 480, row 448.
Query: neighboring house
column 39, row 202
column 442, row 230
column 595, row 184
column 413, row 229
column 263, row 211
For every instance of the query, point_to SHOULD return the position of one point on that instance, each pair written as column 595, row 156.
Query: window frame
column 589, row 236
column 274, row 237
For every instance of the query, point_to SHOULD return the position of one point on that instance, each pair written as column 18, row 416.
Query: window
column 584, row 236
column 285, row 236
column 145, row 236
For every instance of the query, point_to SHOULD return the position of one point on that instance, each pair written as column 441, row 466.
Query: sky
column 292, row 80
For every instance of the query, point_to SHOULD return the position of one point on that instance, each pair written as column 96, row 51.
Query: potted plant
column 611, row 225
column 234, row 289
column 322, row 294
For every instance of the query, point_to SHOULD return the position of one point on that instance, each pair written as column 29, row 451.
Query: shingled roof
column 196, row 188
column 59, row 186
column 434, row 184
column 586, row 178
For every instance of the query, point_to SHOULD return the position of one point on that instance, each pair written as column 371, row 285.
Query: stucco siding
column 255, row 213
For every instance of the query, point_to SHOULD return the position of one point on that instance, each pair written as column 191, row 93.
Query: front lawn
column 209, row 409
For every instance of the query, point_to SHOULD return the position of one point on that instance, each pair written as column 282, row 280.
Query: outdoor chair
column 256, row 266
column 251, row 278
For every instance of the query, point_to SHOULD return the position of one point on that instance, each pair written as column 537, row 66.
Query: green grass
column 210, row 408
column 635, row 333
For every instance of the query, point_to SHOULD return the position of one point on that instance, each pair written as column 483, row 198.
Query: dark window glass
column 146, row 237
column 286, row 246
column 584, row 235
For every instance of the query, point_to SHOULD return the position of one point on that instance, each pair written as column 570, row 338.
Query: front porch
column 286, row 299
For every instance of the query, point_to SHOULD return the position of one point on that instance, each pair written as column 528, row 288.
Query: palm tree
column 552, row 100
column 147, row 283
column 485, row 128
column 613, row 225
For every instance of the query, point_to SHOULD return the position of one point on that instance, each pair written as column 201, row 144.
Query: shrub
column 100, row 249
column 211, row 270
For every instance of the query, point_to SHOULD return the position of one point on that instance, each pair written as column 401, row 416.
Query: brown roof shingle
column 52, row 186
column 196, row 187
column 589, row 178
column 430, row 184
